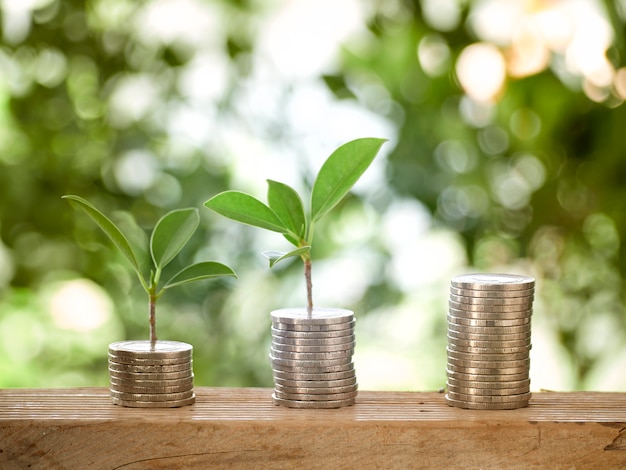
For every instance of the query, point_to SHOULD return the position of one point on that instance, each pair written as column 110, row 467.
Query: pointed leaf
column 276, row 256
column 340, row 172
column 171, row 234
column 244, row 208
column 136, row 236
column 199, row 271
column 287, row 205
column 109, row 228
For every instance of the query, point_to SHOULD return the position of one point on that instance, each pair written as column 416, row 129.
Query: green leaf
column 287, row 205
column 136, row 236
column 340, row 172
column 171, row 234
column 243, row 208
column 109, row 228
column 276, row 256
column 199, row 271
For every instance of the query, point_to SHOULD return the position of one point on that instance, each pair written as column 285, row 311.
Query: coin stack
column 145, row 376
column 311, row 358
column 489, row 341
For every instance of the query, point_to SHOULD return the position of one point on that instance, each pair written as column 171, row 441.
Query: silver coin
column 493, row 281
column 487, row 357
column 488, row 385
column 455, row 348
column 486, row 377
column 148, row 362
column 315, row 383
column 494, row 322
column 149, row 368
column 149, row 390
column 285, row 351
column 518, row 302
column 487, row 391
column 312, row 366
column 151, row 396
column 151, row 375
column 310, row 335
column 510, row 331
column 319, row 316
column 146, row 350
column 499, row 316
column 494, row 294
column 290, row 341
column 488, row 364
column 501, row 371
column 312, row 327
column 487, row 406
column 315, row 397
column 315, row 390
column 313, row 404
column 488, row 399
column 321, row 356
column 313, row 349
column 492, row 309
column 496, row 330
column 154, row 404
column 493, row 345
column 460, row 347
column 457, row 335
column 349, row 374
column 185, row 382
column 311, row 369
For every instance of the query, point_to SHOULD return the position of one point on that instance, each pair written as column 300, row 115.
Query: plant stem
column 153, row 336
column 309, row 285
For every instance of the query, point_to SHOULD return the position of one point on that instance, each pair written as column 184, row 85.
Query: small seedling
column 170, row 235
column 285, row 211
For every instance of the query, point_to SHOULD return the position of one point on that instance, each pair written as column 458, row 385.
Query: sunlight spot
column 301, row 38
column 135, row 171
column 434, row 54
column 80, row 305
column 443, row 15
column 132, row 98
column 525, row 123
column 481, row 71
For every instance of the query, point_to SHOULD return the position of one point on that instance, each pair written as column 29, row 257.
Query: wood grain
column 240, row 428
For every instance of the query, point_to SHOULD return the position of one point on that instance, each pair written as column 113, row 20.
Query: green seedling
column 170, row 235
column 285, row 212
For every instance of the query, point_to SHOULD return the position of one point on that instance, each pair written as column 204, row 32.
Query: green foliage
column 285, row 213
column 111, row 230
column 339, row 173
column 171, row 233
column 534, row 179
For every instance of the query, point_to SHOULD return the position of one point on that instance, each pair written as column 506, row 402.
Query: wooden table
column 240, row 428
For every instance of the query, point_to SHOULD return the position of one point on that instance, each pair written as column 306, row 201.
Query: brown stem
column 153, row 336
column 309, row 286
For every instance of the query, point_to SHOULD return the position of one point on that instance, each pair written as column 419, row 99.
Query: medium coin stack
column 489, row 341
column 143, row 376
column 311, row 358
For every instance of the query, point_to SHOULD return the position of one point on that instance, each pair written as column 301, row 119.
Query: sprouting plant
column 170, row 234
column 285, row 211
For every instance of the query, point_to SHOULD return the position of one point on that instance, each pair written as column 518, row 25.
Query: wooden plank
column 226, row 428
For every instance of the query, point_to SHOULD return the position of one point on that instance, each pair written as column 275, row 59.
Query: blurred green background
column 507, row 153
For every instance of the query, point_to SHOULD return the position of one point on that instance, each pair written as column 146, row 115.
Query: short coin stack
column 311, row 358
column 489, row 341
column 151, row 377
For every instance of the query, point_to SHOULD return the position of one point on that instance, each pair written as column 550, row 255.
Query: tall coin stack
column 311, row 358
column 142, row 376
column 489, row 341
